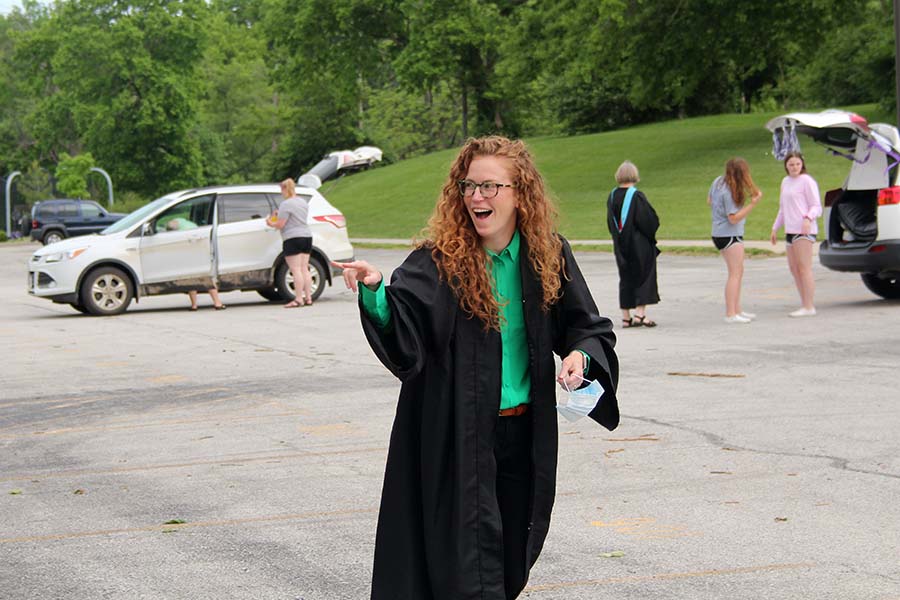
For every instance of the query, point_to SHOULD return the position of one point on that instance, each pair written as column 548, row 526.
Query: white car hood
column 68, row 244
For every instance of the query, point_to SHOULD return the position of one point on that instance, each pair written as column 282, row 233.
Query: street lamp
column 109, row 181
column 9, row 180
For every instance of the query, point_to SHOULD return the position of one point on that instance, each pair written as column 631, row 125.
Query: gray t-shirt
column 296, row 211
column 722, row 206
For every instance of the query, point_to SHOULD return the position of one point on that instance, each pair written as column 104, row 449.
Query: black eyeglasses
column 489, row 189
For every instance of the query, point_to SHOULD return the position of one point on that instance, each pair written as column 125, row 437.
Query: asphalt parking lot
column 164, row 454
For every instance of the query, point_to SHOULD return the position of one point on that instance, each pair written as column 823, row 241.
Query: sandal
column 193, row 309
column 220, row 307
column 293, row 304
column 644, row 321
column 628, row 323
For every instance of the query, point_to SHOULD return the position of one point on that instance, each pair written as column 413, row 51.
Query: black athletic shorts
column 790, row 237
column 300, row 245
column 726, row 242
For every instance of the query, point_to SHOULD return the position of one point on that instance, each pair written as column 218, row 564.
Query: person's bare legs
column 298, row 263
column 734, row 260
column 806, row 284
column 307, row 278
column 193, row 297
column 214, row 294
column 626, row 315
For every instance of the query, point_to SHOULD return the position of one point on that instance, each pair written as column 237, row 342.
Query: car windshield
column 132, row 219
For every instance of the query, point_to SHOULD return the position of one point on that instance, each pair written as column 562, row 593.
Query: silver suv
column 227, row 244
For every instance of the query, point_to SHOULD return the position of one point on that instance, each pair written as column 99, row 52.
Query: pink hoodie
column 799, row 199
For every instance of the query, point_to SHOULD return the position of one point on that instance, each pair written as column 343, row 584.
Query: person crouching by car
column 180, row 223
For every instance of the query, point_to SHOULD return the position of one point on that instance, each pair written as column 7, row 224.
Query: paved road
column 757, row 461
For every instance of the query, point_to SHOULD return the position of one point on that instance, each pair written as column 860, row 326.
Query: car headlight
column 60, row 256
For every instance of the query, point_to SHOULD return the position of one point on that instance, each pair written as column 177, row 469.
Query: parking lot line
column 197, row 463
column 667, row 576
column 177, row 526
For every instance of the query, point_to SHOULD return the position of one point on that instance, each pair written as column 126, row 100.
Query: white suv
column 862, row 217
column 221, row 239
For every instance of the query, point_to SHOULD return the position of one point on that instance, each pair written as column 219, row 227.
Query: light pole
column 109, row 181
column 12, row 176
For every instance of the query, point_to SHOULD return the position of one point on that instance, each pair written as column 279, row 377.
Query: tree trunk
column 465, row 112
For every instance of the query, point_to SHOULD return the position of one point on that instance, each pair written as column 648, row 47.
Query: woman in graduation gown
column 634, row 242
column 469, row 324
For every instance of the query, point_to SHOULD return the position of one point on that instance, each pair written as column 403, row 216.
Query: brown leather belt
column 515, row 411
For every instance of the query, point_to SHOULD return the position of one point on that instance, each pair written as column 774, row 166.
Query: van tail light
column 35, row 224
column 889, row 195
column 878, row 248
column 336, row 220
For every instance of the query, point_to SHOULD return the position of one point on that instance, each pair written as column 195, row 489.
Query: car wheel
column 270, row 294
column 106, row 291
column 888, row 288
column 53, row 236
column 284, row 280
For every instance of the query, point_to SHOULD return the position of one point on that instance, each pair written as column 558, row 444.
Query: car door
column 176, row 247
column 246, row 248
column 93, row 218
column 70, row 217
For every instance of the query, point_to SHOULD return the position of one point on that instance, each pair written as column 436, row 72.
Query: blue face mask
column 581, row 401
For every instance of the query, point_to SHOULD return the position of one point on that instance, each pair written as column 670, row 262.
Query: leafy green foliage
column 72, row 173
column 167, row 94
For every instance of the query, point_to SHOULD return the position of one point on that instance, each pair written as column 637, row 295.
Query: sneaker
column 747, row 315
column 804, row 312
column 737, row 319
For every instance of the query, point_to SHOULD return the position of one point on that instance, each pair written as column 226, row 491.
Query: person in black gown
column 469, row 324
column 633, row 232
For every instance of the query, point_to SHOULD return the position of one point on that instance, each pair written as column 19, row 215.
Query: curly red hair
column 457, row 248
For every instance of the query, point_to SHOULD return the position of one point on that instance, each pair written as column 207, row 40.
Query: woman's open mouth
column 482, row 213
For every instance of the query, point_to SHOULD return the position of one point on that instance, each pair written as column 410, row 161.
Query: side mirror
column 147, row 229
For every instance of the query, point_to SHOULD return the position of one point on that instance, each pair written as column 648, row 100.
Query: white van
column 221, row 239
column 862, row 217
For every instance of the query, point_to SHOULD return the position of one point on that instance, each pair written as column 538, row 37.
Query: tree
column 118, row 79
column 455, row 42
column 72, row 174
column 323, row 55
column 238, row 116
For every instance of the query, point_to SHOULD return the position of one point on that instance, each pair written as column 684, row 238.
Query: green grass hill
column 677, row 160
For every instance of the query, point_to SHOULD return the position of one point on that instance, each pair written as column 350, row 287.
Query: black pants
column 512, row 451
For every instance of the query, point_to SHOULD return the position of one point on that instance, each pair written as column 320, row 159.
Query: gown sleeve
column 579, row 326
column 645, row 218
column 422, row 313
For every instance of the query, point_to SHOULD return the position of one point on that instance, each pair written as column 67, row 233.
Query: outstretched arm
column 359, row 271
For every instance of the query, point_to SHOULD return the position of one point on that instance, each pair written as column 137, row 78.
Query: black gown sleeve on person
column 580, row 327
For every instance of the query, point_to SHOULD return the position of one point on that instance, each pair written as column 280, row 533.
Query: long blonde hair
column 457, row 248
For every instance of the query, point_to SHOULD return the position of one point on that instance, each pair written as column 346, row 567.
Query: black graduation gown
column 635, row 248
column 439, row 528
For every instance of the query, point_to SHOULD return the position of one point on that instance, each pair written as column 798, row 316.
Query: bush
column 3, row 236
column 126, row 202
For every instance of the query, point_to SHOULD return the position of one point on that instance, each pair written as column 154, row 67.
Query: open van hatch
column 862, row 217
